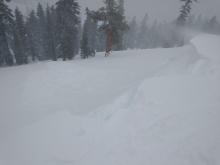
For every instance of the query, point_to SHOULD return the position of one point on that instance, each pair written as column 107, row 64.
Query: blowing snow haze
column 157, row 9
column 97, row 89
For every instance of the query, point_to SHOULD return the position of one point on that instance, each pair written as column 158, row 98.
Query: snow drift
column 136, row 107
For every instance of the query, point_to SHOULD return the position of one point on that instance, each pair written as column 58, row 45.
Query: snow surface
column 137, row 107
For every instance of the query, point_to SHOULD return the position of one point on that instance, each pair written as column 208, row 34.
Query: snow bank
column 138, row 107
column 208, row 46
column 166, row 120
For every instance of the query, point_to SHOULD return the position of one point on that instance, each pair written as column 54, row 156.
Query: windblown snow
column 156, row 107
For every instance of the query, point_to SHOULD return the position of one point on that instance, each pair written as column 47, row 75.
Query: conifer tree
column 56, row 31
column 143, row 34
column 114, row 23
column 68, row 23
column 185, row 11
column 42, row 33
column 213, row 25
column 33, row 36
column 6, row 21
column 153, row 35
column 88, row 43
column 84, row 41
column 50, row 24
column 121, row 11
column 20, row 41
column 131, row 35
column 77, row 39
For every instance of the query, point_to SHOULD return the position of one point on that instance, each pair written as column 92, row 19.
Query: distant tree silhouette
column 185, row 11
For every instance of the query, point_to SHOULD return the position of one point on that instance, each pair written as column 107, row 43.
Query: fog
column 161, row 10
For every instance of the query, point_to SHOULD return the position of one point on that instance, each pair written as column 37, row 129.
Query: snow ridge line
column 190, row 63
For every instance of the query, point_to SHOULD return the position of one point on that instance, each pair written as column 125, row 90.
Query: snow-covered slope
column 136, row 107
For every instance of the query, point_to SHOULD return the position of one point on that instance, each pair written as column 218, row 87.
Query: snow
column 158, row 106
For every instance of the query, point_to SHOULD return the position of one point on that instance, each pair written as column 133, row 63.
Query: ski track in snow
column 136, row 107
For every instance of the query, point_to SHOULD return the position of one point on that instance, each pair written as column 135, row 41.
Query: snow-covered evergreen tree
column 42, row 33
column 213, row 25
column 50, row 29
column 154, row 35
column 114, row 23
column 143, row 34
column 185, row 11
column 130, row 38
column 68, row 22
column 85, row 41
column 121, row 17
column 20, row 39
column 6, row 21
column 88, row 43
column 32, row 36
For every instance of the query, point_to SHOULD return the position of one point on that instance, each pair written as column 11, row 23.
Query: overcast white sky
column 157, row 9
column 161, row 9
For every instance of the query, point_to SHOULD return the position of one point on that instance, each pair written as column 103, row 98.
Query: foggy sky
column 160, row 10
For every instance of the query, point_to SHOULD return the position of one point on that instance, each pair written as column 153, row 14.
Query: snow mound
column 165, row 120
column 208, row 46
column 170, row 119
column 135, row 107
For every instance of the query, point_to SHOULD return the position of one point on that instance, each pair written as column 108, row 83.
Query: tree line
column 45, row 34
column 56, row 32
column 53, row 32
column 153, row 34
